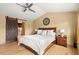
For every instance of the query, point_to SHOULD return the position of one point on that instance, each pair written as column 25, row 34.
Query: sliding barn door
column 11, row 29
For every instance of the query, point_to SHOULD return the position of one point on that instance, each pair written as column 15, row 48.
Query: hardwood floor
column 14, row 49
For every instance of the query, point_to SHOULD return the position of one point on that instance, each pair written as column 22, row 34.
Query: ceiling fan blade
column 24, row 9
column 31, row 10
column 27, row 4
column 20, row 5
column 30, row 5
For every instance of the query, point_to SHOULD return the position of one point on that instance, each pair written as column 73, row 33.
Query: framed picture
column 46, row 21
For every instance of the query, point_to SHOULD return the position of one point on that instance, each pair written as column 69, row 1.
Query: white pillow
column 44, row 32
column 39, row 32
column 50, row 32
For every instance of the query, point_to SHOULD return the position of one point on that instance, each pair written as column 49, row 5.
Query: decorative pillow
column 44, row 32
column 39, row 32
column 50, row 32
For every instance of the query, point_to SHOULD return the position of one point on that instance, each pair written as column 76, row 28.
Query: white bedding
column 37, row 42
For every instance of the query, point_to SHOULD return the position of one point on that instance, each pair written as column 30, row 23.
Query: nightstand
column 61, row 40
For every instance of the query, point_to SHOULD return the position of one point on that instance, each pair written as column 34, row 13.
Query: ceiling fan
column 27, row 6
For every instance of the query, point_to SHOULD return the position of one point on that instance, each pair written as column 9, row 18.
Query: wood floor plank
column 14, row 49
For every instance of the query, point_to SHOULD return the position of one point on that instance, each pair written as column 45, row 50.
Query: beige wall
column 78, row 29
column 28, row 27
column 62, row 20
column 2, row 29
column 78, row 32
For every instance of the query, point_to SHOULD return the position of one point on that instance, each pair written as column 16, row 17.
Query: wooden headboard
column 54, row 28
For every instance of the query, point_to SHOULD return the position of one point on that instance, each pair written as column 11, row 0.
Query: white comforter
column 37, row 42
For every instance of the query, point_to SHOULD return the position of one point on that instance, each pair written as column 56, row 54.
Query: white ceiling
column 58, row 7
column 13, row 10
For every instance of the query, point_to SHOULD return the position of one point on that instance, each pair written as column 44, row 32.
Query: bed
column 39, row 43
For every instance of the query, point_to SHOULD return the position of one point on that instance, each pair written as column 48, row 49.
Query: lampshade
column 62, row 31
column 35, row 29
